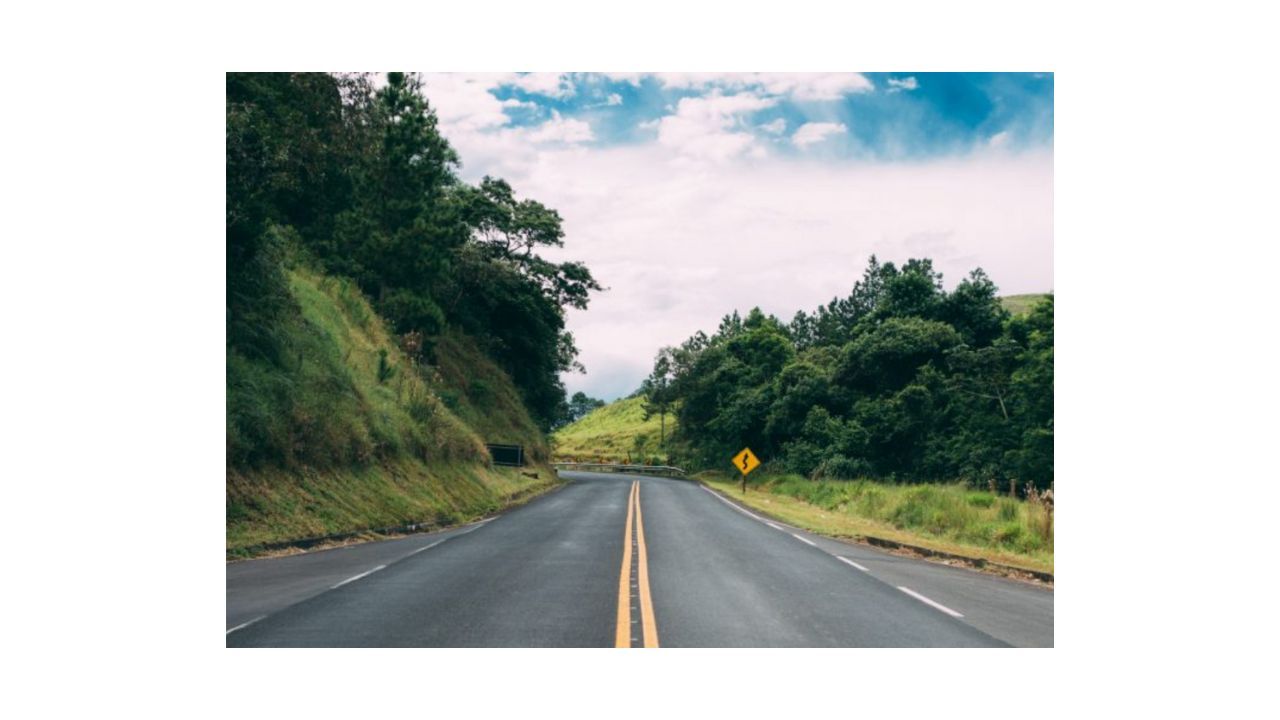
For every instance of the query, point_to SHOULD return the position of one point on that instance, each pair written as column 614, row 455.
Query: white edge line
column 244, row 625
column 735, row 507
column 804, row 540
column 353, row 578
column 775, row 526
column 927, row 601
column 846, row 560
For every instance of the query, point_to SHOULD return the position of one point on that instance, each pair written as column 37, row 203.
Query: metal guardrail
column 621, row 467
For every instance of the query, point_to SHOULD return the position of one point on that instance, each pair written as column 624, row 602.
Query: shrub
column 385, row 369
column 839, row 467
column 480, row 391
column 801, row 457
column 871, row 501
column 449, row 398
column 980, row 499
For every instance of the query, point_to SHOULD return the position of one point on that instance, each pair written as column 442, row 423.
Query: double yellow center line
column 633, row 582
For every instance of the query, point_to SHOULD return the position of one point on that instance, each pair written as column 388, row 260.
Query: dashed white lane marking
column 847, row 561
column 353, row 578
column 927, row 601
column 804, row 540
column 424, row 547
column 244, row 625
column 748, row 513
column 775, row 526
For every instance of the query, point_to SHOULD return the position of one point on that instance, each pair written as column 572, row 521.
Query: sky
column 690, row 195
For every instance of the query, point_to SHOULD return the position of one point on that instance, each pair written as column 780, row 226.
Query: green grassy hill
column 1021, row 304
column 616, row 432
column 343, row 432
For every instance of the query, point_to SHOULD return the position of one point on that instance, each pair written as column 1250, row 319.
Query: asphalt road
column 617, row 560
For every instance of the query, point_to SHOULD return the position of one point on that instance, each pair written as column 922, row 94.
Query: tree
column 580, row 405
column 511, row 231
column 899, row 379
column 974, row 310
column 658, row 392
column 327, row 169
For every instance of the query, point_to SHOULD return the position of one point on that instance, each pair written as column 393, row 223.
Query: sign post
column 745, row 462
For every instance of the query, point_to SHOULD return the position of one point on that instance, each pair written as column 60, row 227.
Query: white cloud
column 899, row 84
column 632, row 78
column 562, row 130
column 712, row 127
column 679, row 247
column 776, row 127
column 681, row 244
column 554, row 85
column 463, row 100
column 999, row 140
column 799, row 86
column 816, row 86
column 816, row 132
column 613, row 99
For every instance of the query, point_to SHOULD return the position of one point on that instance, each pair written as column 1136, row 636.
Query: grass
column 345, row 432
column 342, row 393
column 1021, row 304
column 949, row 518
column 617, row 432
column 283, row 505
column 483, row 397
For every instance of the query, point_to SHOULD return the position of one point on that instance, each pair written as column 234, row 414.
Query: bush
column 385, row 369
column 480, row 391
column 801, row 457
column 839, row 467
column 980, row 499
column 1008, row 534
column 871, row 501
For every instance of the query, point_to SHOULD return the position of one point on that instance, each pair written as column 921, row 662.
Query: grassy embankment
column 617, row 432
column 346, row 438
column 1021, row 304
column 948, row 518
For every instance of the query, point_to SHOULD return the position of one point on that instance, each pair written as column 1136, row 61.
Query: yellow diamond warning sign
column 746, row 461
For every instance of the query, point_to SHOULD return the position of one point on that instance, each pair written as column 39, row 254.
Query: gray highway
column 623, row 561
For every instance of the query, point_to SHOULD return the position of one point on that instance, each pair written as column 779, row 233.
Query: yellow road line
column 646, row 602
column 622, row 638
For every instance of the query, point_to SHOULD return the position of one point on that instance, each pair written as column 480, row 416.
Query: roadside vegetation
column 952, row 518
column 902, row 411
column 384, row 319
column 900, row 381
column 368, row 438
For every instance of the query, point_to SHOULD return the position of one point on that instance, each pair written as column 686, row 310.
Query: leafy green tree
column 900, row 379
column 885, row 357
column 330, row 170
column 1032, row 396
column 974, row 310
column 658, row 391
column 580, row 405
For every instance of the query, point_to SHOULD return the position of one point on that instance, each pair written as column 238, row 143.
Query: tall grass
column 347, row 395
column 950, row 512
column 348, row 432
